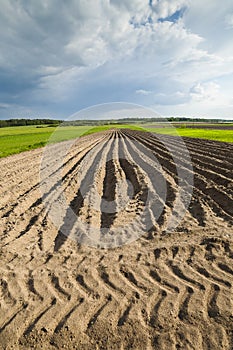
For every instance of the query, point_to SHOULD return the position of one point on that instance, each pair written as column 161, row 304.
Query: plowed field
column 166, row 290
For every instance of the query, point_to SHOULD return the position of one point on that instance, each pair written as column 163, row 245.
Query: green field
column 23, row 138
column 208, row 134
column 184, row 124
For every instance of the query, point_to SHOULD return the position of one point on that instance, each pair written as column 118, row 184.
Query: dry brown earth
column 163, row 291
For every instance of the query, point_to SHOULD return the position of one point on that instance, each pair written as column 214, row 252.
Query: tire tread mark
column 35, row 321
column 154, row 274
column 31, row 286
column 13, row 317
column 124, row 316
column 5, row 291
column 67, row 316
column 208, row 275
column 105, row 277
column 56, row 283
column 98, row 312
column 183, row 312
column 153, row 320
column 213, row 309
column 177, row 271
column 130, row 277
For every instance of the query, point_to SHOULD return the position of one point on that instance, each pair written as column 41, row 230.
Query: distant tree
column 24, row 122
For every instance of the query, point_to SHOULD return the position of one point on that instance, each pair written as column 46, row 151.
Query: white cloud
column 205, row 92
column 143, row 92
column 167, row 8
column 80, row 53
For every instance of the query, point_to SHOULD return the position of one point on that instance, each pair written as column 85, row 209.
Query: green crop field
column 185, row 124
column 208, row 134
column 23, row 138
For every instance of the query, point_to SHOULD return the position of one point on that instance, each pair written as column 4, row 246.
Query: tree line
column 53, row 122
column 24, row 122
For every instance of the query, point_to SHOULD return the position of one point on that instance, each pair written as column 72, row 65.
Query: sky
column 58, row 57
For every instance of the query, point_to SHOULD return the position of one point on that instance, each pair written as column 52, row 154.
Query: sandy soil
column 166, row 290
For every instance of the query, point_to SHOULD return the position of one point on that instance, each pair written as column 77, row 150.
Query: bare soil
column 166, row 290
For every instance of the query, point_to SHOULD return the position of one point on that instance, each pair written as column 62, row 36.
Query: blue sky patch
column 174, row 17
